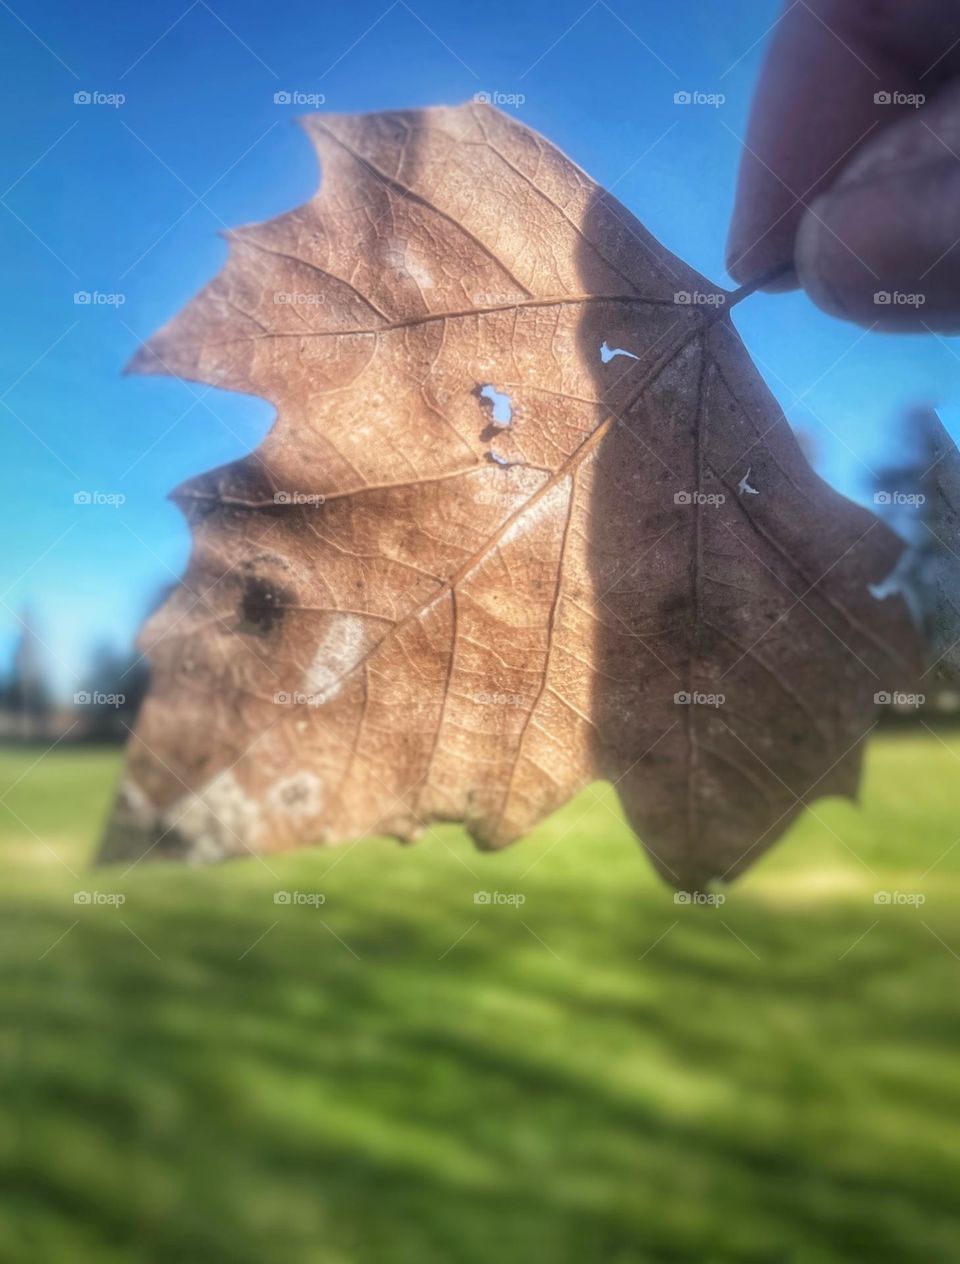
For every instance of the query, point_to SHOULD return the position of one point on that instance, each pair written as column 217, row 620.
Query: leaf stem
column 750, row 287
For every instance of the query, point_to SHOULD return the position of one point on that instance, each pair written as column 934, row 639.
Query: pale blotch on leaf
column 340, row 648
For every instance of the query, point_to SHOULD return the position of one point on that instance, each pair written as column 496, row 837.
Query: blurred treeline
column 102, row 704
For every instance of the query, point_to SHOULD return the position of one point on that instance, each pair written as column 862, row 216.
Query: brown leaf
column 404, row 608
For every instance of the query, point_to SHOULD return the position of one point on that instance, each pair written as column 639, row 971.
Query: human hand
column 850, row 174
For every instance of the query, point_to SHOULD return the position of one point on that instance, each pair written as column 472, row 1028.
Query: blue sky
column 127, row 200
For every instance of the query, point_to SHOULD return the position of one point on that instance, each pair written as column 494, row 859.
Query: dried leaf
column 406, row 608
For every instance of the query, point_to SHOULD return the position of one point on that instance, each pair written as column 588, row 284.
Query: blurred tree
column 26, row 698
column 115, row 684
column 908, row 495
column 112, row 692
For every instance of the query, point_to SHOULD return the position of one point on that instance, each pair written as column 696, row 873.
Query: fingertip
column 771, row 271
column 824, row 274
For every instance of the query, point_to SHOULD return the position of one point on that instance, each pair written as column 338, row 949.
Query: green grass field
column 400, row 1075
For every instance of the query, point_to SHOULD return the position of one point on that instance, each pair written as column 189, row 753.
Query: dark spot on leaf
column 262, row 605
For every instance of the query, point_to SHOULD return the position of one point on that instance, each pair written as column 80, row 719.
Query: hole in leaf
column 610, row 353
column 501, row 412
column 744, row 488
column 883, row 590
column 892, row 584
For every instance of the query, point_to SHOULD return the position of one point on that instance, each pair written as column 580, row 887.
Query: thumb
column 882, row 246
